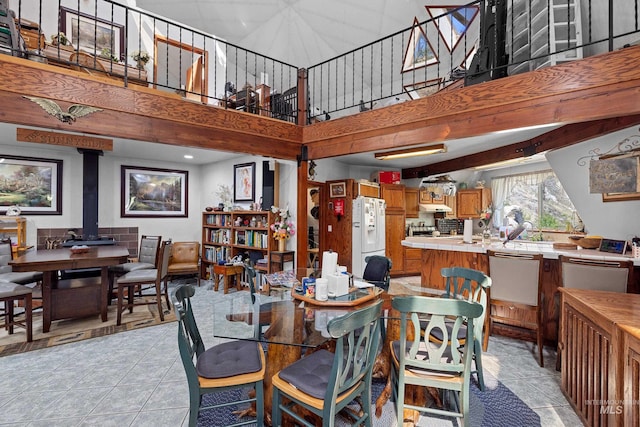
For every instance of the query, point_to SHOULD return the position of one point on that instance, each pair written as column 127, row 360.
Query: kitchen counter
column 455, row 243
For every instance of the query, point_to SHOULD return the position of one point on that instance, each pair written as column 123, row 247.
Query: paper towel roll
column 468, row 231
column 329, row 263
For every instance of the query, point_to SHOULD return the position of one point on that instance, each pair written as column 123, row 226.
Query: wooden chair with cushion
column 147, row 259
column 6, row 272
column 417, row 360
column 184, row 261
column 135, row 279
column 516, row 287
column 324, row 382
column 9, row 294
column 230, row 365
column 471, row 285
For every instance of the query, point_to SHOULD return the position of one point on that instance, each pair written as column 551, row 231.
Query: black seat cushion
column 310, row 374
column 423, row 354
column 437, row 332
column 229, row 359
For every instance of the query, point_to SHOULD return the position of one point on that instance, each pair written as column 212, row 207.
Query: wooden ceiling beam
column 557, row 138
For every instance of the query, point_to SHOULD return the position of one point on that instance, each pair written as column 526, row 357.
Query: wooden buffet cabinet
column 599, row 345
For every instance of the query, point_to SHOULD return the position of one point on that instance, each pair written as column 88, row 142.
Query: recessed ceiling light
column 188, row 156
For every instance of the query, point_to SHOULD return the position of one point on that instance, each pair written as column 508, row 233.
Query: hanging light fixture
column 412, row 152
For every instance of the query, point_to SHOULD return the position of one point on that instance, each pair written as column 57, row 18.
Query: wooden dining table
column 72, row 298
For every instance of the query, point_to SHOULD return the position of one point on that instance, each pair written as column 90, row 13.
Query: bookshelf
column 227, row 234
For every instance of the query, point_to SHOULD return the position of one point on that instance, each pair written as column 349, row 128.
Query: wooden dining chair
column 134, row 280
column 473, row 286
column 231, row 365
column 418, row 361
column 10, row 293
column 516, row 287
column 324, row 383
column 147, row 259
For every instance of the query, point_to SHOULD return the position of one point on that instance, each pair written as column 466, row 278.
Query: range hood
column 432, row 207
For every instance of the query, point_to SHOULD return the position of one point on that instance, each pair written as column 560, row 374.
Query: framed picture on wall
column 92, row 35
column 244, row 182
column 33, row 185
column 148, row 192
column 337, row 189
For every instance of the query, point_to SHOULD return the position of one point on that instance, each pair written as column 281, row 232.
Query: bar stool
column 9, row 294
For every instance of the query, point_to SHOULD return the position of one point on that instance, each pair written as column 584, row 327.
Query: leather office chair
column 418, row 361
column 184, row 261
column 516, row 283
column 377, row 271
column 134, row 280
column 231, row 365
column 338, row 378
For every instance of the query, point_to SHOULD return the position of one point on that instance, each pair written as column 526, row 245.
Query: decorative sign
column 614, row 175
column 64, row 139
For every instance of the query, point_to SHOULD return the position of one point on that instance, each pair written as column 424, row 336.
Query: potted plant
column 282, row 227
column 141, row 57
column 60, row 39
column 106, row 54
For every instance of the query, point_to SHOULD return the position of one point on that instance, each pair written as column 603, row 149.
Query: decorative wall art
column 419, row 52
column 244, row 179
column 337, row 189
column 92, row 35
column 32, row 184
column 148, row 192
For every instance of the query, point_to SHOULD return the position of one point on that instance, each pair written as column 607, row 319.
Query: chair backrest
column 515, row 277
column 149, row 249
column 377, row 271
column 165, row 255
column 5, row 256
column 250, row 272
column 469, row 284
column 185, row 252
column 190, row 342
column 419, row 352
column 590, row 274
column 358, row 337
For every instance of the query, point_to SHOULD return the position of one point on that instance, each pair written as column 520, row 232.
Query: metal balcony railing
column 452, row 47
column 110, row 40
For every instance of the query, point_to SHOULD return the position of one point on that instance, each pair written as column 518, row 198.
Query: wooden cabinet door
column 470, row 203
column 452, row 202
column 395, row 233
column 393, row 195
column 411, row 197
column 425, row 196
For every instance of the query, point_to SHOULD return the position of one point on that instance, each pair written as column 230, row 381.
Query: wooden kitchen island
column 439, row 252
column 600, row 348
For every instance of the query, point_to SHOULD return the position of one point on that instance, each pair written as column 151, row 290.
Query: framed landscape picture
column 148, row 192
column 92, row 35
column 32, row 184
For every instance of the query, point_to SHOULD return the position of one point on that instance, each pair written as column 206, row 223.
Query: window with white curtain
column 538, row 196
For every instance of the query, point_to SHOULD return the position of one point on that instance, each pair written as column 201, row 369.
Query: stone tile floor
column 136, row 378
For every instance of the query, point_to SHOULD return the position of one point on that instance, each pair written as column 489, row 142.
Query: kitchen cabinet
column 411, row 202
column 471, row 202
column 412, row 260
column 395, row 223
column 452, row 202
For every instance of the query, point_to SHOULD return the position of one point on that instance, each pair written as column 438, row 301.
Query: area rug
column 497, row 406
column 67, row 331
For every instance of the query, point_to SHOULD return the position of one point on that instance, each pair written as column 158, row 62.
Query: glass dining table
column 287, row 326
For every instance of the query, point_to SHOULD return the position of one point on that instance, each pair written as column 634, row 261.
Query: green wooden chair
column 471, row 285
column 324, row 382
column 417, row 360
column 230, row 365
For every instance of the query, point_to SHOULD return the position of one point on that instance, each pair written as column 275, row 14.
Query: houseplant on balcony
column 141, row 57
column 60, row 39
column 282, row 227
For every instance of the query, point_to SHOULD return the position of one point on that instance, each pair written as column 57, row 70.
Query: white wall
column 615, row 220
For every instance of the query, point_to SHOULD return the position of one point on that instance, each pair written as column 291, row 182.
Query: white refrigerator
column 368, row 231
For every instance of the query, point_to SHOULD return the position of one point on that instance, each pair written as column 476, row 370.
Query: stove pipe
column 90, row 193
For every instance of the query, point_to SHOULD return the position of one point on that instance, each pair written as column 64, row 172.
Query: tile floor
column 136, row 378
